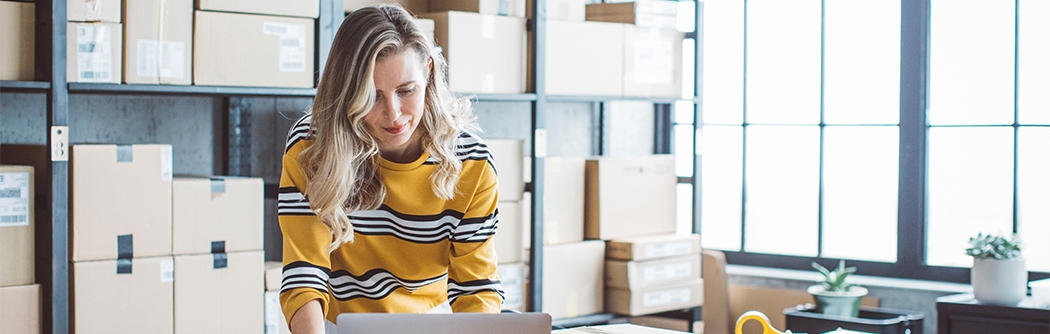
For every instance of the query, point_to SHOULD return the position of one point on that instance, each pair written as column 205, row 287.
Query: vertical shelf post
column 698, row 88
column 539, row 151
column 50, row 66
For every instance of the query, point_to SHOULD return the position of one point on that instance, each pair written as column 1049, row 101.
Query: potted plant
column 999, row 275
column 833, row 295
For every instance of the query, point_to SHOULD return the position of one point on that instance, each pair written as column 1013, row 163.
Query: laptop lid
column 454, row 323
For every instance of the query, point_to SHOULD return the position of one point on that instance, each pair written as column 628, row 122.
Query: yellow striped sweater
column 413, row 253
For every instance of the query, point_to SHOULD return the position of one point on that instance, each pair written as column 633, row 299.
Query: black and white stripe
column 300, row 131
column 460, row 289
column 476, row 229
column 291, row 202
column 305, row 275
column 468, row 147
column 374, row 284
column 418, row 229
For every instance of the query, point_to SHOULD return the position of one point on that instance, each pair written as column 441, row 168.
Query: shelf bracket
column 59, row 143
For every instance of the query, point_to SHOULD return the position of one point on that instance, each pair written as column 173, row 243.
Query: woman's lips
column 396, row 129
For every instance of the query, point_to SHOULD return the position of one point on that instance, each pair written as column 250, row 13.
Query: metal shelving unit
column 51, row 38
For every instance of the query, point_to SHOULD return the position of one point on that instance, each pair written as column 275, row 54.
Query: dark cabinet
column 962, row 314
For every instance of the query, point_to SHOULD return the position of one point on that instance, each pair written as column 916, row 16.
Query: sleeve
column 305, row 238
column 473, row 285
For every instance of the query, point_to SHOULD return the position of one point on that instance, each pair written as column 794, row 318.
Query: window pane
column 683, row 150
column 1033, row 69
column 686, row 20
column 782, row 179
column 723, row 57
column 1033, row 195
column 684, row 217
column 783, row 61
column 971, row 62
column 860, row 192
column 862, row 61
column 970, row 189
column 721, row 178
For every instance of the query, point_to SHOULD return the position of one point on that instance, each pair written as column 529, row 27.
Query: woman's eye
column 407, row 92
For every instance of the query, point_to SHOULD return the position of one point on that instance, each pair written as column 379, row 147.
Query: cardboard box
column 158, row 41
column 512, row 277
column 642, row 20
column 20, row 309
column 509, row 241
column 219, row 293
column 591, row 66
column 651, row 273
column 298, row 8
column 274, row 275
column 93, row 52
column 17, row 226
column 485, row 53
column 652, row 62
column 123, row 296
column 655, row 299
column 515, row 8
column 17, row 40
column 121, row 201
column 224, row 212
column 415, row 7
column 652, row 247
column 630, row 196
column 94, row 10
column 427, row 26
column 658, row 7
column 617, row 329
column 563, row 200
column 507, row 156
column 566, row 10
column 252, row 50
column 275, row 322
column 573, row 279
column 674, row 324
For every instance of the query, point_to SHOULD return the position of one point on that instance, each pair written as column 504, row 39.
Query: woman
column 387, row 203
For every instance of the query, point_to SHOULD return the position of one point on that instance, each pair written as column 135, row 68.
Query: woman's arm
column 309, row 319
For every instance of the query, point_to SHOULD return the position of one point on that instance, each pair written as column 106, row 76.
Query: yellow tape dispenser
column 761, row 318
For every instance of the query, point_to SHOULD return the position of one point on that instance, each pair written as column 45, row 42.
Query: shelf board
column 93, row 88
column 499, row 97
column 24, row 86
column 585, row 98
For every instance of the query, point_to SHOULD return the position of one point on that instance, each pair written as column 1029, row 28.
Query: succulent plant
column 835, row 280
column 994, row 246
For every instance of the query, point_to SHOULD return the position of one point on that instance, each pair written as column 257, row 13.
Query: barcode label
column 16, row 219
column 94, row 75
column 293, row 42
column 292, row 66
column 12, row 192
column 291, row 45
column 271, row 28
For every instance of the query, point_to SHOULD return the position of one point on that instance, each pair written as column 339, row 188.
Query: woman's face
column 400, row 82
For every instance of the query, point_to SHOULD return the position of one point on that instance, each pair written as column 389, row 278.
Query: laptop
column 450, row 323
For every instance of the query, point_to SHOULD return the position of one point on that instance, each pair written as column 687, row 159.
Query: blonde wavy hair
column 341, row 165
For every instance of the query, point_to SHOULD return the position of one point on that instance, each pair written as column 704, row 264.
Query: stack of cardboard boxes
column 152, row 253
column 94, row 39
column 20, row 303
column 510, row 242
column 631, row 205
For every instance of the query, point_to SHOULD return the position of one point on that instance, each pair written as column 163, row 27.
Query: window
column 810, row 147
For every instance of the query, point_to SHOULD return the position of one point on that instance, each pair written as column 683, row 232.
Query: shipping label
column 14, row 199
column 94, row 53
column 160, row 59
column 165, row 164
column 666, row 297
column 167, row 270
column 668, row 249
column 668, row 272
column 291, row 47
column 653, row 61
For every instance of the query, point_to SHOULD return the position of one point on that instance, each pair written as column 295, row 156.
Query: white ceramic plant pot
column 1002, row 282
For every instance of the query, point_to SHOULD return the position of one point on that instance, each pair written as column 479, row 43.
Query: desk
column 962, row 314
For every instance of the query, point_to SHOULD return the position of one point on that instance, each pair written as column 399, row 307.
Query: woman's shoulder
column 300, row 131
column 471, row 147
